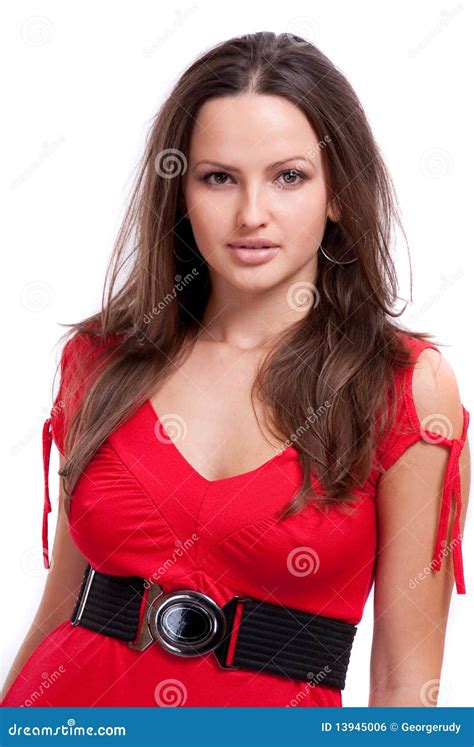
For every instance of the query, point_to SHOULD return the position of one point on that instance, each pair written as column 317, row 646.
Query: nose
column 252, row 210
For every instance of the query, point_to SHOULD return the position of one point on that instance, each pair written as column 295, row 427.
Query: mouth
column 253, row 255
column 260, row 243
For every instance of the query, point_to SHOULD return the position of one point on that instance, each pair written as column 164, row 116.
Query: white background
column 83, row 83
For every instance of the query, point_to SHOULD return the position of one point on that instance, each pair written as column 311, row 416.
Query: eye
column 293, row 173
column 207, row 177
column 221, row 176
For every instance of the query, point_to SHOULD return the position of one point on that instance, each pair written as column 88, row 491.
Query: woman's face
column 255, row 170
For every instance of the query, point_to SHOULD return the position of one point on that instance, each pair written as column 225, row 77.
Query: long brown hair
column 327, row 380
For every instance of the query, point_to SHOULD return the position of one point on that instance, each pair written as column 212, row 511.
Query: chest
column 205, row 406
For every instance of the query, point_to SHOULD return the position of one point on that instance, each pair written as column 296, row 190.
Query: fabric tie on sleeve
column 47, row 442
column 451, row 487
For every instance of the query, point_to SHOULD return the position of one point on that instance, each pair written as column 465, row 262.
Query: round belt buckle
column 187, row 623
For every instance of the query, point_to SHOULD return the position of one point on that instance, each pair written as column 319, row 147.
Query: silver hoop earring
column 337, row 261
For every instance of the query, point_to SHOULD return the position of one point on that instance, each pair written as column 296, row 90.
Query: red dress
column 140, row 509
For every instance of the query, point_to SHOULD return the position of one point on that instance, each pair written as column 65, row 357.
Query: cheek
column 209, row 220
column 305, row 217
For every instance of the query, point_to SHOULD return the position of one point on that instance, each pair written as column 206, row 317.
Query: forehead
column 252, row 128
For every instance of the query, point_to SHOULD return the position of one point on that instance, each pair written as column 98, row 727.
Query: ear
column 333, row 212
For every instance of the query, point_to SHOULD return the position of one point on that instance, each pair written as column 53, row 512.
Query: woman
column 248, row 440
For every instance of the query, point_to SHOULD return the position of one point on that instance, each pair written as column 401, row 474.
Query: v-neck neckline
column 286, row 453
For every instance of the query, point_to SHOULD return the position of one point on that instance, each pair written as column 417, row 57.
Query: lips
column 260, row 243
column 249, row 254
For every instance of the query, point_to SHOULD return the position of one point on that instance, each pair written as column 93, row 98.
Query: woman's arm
column 411, row 602
column 62, row 583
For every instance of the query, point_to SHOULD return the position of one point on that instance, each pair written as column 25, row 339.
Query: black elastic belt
column 245, row 632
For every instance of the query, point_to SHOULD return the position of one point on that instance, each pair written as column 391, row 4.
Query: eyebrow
column 226, row 167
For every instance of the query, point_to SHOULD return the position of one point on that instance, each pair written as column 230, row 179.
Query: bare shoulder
column 436, row 393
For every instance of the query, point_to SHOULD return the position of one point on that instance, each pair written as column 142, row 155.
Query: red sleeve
column 78, row 365
column 53, row 429
column 57, row 415
column 407, row 430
